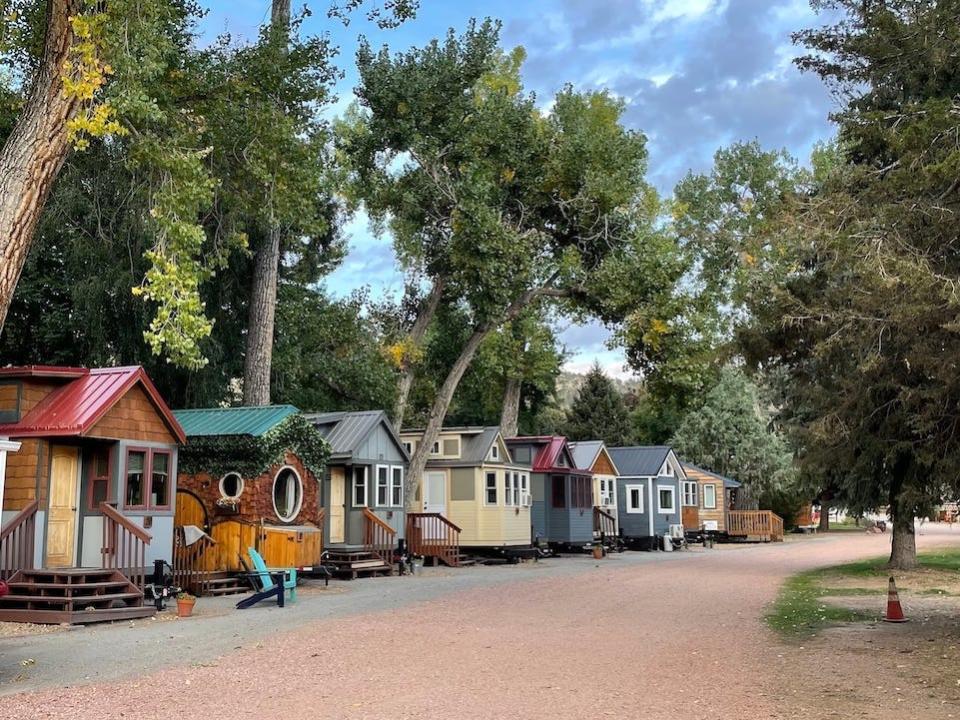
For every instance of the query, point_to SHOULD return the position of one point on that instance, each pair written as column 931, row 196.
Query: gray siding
column 637, row 525
column 560, row 525
column 353, row 514
column 379, row 447
column 661, row 521
column 538, row 515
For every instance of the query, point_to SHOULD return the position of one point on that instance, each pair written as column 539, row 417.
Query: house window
column 383, row 485
column 559, row 491
column 508, row 488
column 490, row 495
column 147, row 477
column 516, row 488
column 287, row 494
column 99, row 478
column 710, row 497
column 396, row 487
column 634, row 498
column 524, row 489
column 668, row 469
column 607, row 497
column 435, row 449
column 359, row 485
column 408, row 446
column 495, row 452
column 665, row 499
column 690, row 494
column 231, row 486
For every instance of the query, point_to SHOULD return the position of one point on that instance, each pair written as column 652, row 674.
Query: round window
column 287, row 494
column 231, row 486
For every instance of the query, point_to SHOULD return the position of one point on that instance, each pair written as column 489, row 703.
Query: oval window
column 287, row 494
column 231, row 486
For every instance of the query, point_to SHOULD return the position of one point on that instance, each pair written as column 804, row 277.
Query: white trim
column 629, row 489
column 673, row 495
column 486, row 488
column 386, row 488
column 240, row 486
column 651, row 513
column 393, row 469
column 353, row 486
column 693, row 485
column 495, row 451
column 273, row 494
column 713, row 487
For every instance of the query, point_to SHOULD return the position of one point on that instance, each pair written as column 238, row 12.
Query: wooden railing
column 763, row 525
column 432, row 535
column 190, row 564
column 124, row 545
column 604, row 524
column 379, row 539
column 17, row 541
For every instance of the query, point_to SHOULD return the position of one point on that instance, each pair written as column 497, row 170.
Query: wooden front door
column 691, row 517
column 338, row 481
column 62, row 514
column 190, row 511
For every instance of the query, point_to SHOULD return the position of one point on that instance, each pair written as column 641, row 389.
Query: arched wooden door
column 190, row 511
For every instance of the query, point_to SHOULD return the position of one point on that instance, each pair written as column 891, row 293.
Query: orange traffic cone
column 894, row 610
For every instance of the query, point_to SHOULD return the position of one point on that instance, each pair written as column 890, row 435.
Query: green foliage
column 250, row 456
column 598, row 412
column 800, row 611
column 730, row 434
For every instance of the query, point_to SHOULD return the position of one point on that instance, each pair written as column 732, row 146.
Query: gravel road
column 638, row 635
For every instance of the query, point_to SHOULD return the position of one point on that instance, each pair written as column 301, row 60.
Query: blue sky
column 695, row 74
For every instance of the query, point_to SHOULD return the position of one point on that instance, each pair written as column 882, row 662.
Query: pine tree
column 598, row 412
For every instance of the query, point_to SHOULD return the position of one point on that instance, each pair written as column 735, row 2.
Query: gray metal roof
column 346, row 431
column 475, row 443
column 585, row 452
column 640, row 460
column 727, row 482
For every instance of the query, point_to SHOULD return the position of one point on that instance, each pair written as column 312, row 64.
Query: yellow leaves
column 83, row 74
column 748, row 259
column 654, row 333
column 402, row 108
column 402, row 353
column 508, row 174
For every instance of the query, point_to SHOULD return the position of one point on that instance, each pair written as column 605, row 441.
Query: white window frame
column 508, row 488
column 713, row 489
column 385, row 486
column 524, row 487
column 631, row 509
column 486, row 488
column 668, row 469
column 408, row 446
column 353, row 486
column 495, row 451
column 396, row 473
column 608, row 492
column 695, row 486
column 273, row 494
column 673, row 504
column 435, row 448
column 516, row 490
column 240, row 486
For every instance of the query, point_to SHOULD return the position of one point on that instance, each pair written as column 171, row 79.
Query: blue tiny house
column 562, row 494
column 649, row 493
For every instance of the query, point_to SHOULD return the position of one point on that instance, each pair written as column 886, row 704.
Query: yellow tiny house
column 471, row 483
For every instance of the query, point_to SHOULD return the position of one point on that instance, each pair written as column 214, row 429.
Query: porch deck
column 755, row 525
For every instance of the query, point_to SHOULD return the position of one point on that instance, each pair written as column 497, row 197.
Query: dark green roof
column 254, row 421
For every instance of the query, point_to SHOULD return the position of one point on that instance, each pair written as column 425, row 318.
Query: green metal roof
column 253, row 421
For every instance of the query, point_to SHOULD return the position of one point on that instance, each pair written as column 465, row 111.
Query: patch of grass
column 799, row 610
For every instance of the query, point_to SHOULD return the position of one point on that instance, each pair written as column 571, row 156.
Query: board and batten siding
column 638, row 525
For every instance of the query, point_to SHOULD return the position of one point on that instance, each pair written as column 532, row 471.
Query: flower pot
column 185, row 607
column 597, row 552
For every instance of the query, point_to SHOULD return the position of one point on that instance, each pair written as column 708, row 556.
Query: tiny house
column 593, row 456
column 245, row 483
column 562, row 493
column 471, row 482
column 362, row 490
column 88, row 497
column 649, row 487
column 706, row 496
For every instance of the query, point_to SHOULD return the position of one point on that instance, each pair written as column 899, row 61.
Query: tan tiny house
column 471, row 482
column 706, row 500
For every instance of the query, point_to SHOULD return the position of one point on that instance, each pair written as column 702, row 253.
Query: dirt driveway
column 639, row 635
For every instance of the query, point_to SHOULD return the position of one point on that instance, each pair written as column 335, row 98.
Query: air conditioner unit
column 527, row 500
column 608, row 502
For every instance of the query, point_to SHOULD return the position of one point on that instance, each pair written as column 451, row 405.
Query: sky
column 695, row 75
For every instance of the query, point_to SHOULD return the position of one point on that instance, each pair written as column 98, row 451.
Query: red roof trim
column 57, row 371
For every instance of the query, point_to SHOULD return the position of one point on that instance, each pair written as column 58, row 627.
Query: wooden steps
column 72, row 595
column 351, row 564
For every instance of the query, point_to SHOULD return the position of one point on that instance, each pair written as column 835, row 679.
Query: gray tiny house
column 364, row 478
column 562, row 495
column 649, row 484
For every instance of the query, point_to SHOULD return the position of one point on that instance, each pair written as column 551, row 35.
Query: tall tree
column 598, row 412
column 510, row 205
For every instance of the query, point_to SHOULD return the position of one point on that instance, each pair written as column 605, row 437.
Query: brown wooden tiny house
column 88, row 497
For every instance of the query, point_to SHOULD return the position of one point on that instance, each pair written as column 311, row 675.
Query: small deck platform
column 755, row 526
column 72, row 595
column 349, row 563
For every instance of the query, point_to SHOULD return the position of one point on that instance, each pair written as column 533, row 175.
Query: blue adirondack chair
column 266, row 581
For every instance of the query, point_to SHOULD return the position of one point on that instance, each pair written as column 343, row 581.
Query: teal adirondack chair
column 263, row 572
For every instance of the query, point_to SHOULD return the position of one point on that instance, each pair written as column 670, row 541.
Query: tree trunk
column 35, row 151
column 418, row 462
column 260, row 321
column 903, row 550
column 824, row 525
column 415, row 342
column 258, row 360
column 510, row 415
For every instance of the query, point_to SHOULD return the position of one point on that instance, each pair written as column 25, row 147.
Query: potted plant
column 185, row 603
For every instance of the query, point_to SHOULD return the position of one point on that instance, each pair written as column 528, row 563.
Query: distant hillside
column 568, row 385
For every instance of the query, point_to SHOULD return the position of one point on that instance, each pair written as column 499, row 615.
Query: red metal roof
column 552, row 447
column 77, row 406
